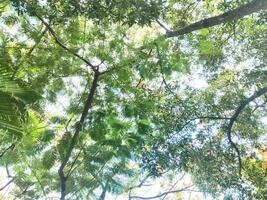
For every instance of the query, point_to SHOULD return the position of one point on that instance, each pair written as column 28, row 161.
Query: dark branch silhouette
column 58, row 41
column 247, row 9
column 7, row 184
column 233, row 119
column 12, row 146
column 87, row 105
column 163, row 194
column 161, row 71
column 75, row 137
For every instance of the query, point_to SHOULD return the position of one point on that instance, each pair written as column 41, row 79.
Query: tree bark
column 75, row 137
column 247, row 9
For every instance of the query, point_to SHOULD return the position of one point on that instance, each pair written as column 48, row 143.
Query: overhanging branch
column 247, row 9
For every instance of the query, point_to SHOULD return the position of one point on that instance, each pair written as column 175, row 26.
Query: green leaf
column 63, row 145
column 206, row 47
column 49, row 158
column 204, row 32
column 143, row 126
column 129, row 110
column 98, row 134
column 117, row 124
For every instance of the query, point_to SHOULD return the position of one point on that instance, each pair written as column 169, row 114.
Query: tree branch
column 73, row 163
column 174, row 185
column 74, row 139
column 38, row 41
column 7, row 184
column 207, row 117
column 162, row 194
column 259, row 106
column 103, row 193
column 12, row 146
column 161, row 71
column 247, row 9
column 58, row 41
column 162, row 26
column 233, row 119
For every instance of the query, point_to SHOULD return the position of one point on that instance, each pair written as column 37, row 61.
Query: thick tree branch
column 233, row 119
column 75, row 137
column 58, row 41
column 247, row 9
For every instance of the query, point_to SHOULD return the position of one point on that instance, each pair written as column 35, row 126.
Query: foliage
column 14, row 99
column 121, row 99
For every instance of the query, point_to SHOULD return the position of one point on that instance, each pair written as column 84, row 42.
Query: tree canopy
column 97, row 95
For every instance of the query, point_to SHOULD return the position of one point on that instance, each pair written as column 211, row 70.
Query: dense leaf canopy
column 95, row 95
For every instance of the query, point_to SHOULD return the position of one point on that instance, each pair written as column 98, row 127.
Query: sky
column 156, row 186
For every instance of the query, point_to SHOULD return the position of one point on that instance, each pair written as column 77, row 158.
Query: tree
column 13, row 108
column 127, row 96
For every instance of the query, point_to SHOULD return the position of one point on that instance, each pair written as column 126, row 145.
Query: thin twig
column 73, row 163
column 174, row 185
column 38, row 41
column 162, row 194
column 163, row 26
column 7, row 184
column 161, row 71
column 58, row 41
column 12, row 146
